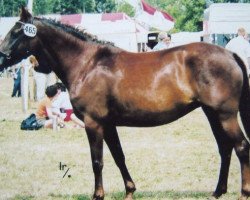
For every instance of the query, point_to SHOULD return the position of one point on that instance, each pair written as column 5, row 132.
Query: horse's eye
column 13, row 33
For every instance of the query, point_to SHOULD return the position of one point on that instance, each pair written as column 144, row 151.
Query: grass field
column 175, row 161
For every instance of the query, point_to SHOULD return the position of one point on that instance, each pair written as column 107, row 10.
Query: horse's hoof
column 244, row 194
column 98, row 198
column 130, row 197
column 243, row 197
column 212, row 198
column 217, row 194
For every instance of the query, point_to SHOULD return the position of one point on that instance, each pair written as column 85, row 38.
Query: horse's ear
column 25, row 16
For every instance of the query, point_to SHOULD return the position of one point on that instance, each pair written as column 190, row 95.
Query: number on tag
column 30, row 30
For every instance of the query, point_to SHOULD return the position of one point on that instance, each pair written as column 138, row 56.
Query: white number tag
column 30, row 30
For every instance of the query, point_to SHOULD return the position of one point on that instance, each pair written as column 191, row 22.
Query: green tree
column 193, row 15
column 72, row 6
column 10, row 8
column 41, row 7
column 188, row 14
column 126, row 8
column 231, row 1
column 56, row 6
column 88, row 6
column 105, row 6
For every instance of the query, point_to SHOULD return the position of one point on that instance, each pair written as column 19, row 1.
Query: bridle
column 6, row 55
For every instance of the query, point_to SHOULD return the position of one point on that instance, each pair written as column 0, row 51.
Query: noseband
column 7, row 56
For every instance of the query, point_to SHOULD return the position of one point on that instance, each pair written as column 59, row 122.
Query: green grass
column 176, row 161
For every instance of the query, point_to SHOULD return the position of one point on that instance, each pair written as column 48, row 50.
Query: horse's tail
column 244, row 106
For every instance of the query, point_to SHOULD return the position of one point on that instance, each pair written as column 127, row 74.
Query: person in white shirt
column 241, row 47
column 164, row 42
column 61, row 106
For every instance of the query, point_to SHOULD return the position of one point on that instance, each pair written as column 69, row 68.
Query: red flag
column 154, row 17
column 151, row 10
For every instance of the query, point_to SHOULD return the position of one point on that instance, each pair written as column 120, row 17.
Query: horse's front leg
column 95, row 136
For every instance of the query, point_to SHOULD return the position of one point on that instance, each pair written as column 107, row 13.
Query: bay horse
column 110, row 87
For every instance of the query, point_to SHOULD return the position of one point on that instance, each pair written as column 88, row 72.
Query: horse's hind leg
column 228, row 134
column 113, row 142
column 241, row 147
column 225, row 149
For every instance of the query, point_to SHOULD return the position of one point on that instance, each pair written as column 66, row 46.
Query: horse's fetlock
column 246, row 191
column 130, row 187
column 244, row 195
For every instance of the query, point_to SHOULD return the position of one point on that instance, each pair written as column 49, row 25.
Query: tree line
column 40, row 7
column 188, row 14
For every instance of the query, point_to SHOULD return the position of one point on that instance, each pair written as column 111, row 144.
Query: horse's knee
column 97, row 166
column 242, row 149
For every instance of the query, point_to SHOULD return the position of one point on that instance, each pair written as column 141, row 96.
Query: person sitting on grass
column 44, row 115
column 61, row 106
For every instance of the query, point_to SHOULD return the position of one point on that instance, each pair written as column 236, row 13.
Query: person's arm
column 49, row 113
column 229, row 45
column 248, row 55
column 56, row 111
column 56, row 105
column 156, row 47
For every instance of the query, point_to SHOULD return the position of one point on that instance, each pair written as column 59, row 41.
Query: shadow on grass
column 138, row 195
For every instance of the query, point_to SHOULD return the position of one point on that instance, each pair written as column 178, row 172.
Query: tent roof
column 96, row 18
column 114, row 16
column 71, row 19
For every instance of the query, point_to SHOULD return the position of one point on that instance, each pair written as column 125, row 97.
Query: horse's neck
column 66, row 53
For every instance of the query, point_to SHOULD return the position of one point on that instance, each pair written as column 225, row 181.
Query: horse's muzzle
column 2, row 62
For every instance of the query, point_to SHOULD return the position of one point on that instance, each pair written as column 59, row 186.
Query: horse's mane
column 81, row 34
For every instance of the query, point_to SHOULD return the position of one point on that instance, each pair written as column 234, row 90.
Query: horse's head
column 20, row 42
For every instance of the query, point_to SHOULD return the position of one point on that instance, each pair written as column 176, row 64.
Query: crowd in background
column 239, row 45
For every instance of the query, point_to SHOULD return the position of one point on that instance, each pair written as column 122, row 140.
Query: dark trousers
column 17, row 88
